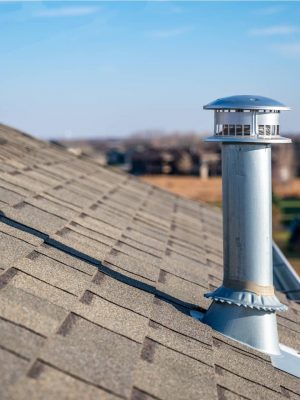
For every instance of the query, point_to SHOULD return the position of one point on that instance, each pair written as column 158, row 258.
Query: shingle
column 117, row 207
column 162, row 222
column 137, row 266
column 41, row 176
column 106, row 177
column 39, row 169
column 68, row 259
column 288, row 336
column 103, row 237
column 152, row 225
column 245, row 365
column 148, row 250
column 12, row 367
column 199, row 249
column 23, row 192
column 25, row 181
column 287, row 323
column 147, row 230
column 30, row 311
column 99, row 226
column 69, row 196
column 12, row 249
column 43, row 290
column 52, row 207
column 35, row 218
column 138, row 394
column 289, row 382
column 96, row 355
column 48, row 383
column 86, row 186
column 175, row 319
column 58, row 170
column 55, row 273
column 9, row 197
column 181, row 291
column 81, row 191
column 81, row 243
column 247, row 350
column 192, row 253
column 167, row 374
column 122, row 294
column 130, row 278
column 186, row 237
column 137, row 253
column 244, row 387
column 108, row 216
column 144, row 239
column 181, row 343
column 111, row 316
column 19, row 339
column 19, row 232
column 186, row 269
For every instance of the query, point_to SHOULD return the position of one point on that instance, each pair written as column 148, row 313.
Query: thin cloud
column 65, row 12
column 278, row 30
column 170, row 33
column 290, row 49
column 272, row 10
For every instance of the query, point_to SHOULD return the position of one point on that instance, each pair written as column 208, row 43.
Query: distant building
column 115, row 156
column 284, row 163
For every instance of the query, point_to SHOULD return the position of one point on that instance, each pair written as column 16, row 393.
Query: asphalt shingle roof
column 98, row 274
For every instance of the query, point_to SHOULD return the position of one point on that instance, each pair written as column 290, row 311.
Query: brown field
column 192, row 187
column 210, row 191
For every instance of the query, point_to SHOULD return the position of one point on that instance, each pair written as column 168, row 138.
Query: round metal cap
column 245, row 102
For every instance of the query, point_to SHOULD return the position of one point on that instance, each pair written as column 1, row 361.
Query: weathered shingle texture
column 98, row 274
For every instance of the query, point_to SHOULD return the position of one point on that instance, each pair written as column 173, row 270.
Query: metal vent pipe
column 244, row 307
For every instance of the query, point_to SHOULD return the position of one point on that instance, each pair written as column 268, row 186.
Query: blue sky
column 75, row 69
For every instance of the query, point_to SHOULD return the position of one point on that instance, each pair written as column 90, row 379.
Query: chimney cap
column 245, row 102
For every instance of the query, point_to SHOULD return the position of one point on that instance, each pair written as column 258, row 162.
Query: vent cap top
column 245, row 102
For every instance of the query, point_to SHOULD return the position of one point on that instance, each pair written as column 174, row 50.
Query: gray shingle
column 52, row 207
column 9, row 197
column 35, row 218
column 111, row 316
column 42, row 290
column 12, row 367
column 48, row 383
column 25, row 235
column 245, row 365
column 181, row 290
column 137, row 266
column 244, row 387
column 30, row 311
column 171, row 375
column 12, row 249
column 173, row 318
column 122, row 294
column 182, row 343
column 95, row 354
column 55, row 273
column 99, row 226
column 69, row 196
column 68, row 259
column 19, row 339
column 81, row 243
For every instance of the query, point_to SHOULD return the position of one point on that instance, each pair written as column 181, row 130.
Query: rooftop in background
column 99, row 274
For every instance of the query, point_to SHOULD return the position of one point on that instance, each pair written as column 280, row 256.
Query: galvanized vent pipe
column 244, row 307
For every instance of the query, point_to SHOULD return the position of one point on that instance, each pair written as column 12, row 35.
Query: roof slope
column 99, row 273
